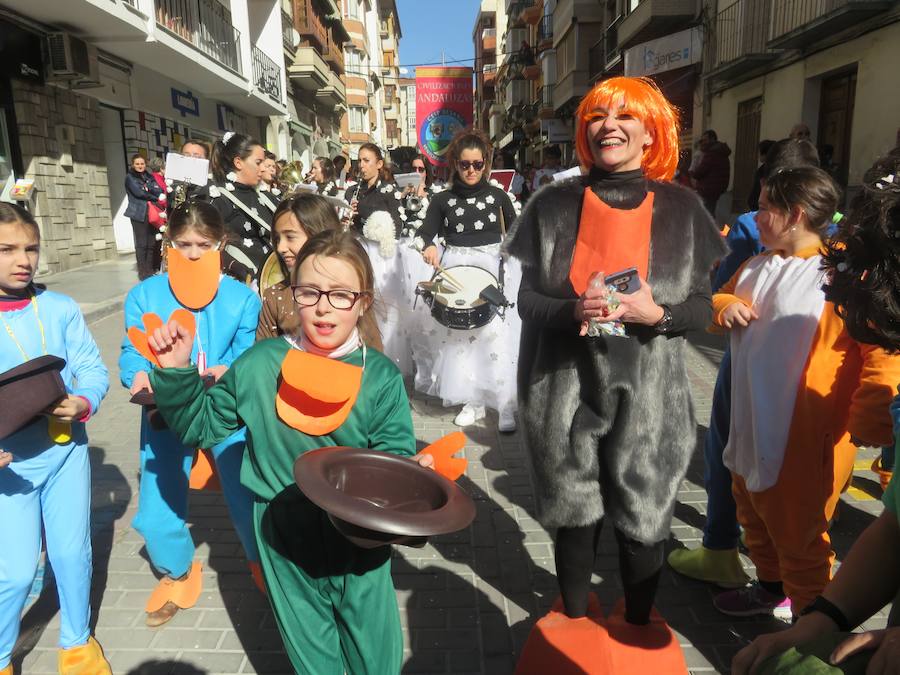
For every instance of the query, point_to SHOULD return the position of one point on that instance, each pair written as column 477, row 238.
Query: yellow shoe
column 88, row 659
column 171, row 595
column 7, row 670
column 722, row 568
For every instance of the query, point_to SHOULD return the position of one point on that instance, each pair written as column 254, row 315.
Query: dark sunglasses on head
column 419, row 169
column 465, row 165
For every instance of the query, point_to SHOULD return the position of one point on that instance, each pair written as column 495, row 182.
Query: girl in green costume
column 334, row 602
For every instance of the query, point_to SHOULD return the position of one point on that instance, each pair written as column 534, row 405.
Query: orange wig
column 640, row 97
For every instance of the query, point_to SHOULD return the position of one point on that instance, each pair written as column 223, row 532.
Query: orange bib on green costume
column 194, row 282
column 610, row 240
column 316, row 393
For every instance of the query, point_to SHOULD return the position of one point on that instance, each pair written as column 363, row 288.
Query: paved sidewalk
column 467, row 600
column 99, row 288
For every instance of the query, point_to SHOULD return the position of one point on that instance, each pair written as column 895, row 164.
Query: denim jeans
column 721, row 530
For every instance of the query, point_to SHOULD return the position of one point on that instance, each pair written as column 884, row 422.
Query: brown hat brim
column 28, row 390
column 377, row 498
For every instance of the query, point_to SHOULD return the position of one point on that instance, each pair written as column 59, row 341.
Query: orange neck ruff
column 194, row 282
column 610, row 240
column 316, row 393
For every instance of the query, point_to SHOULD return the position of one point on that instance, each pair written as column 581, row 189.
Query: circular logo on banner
column 437, row 131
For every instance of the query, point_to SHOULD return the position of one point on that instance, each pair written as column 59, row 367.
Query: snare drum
column 459, row 305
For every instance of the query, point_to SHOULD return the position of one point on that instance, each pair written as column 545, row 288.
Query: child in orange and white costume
column 804, row 394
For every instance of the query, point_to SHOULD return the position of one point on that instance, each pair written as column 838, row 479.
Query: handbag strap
column 243, row 207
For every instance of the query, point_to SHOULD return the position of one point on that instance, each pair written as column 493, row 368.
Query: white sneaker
column 507, row 423
column 469, row 415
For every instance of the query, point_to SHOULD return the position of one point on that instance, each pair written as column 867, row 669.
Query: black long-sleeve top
column 468, row 215
column 625, row 189
column 382, row 196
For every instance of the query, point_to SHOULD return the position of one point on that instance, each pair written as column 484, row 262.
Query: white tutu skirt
column 395, row 284
column 475, row 366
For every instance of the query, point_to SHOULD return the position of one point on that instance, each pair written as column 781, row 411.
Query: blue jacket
column 67, row 336
column 141, row 188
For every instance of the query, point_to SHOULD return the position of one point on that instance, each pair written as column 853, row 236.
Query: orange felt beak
column 316, row 393
column 151, row 322
column 443, row 450
column 194, row 282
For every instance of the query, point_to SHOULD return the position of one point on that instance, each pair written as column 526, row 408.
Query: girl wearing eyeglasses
column 334, row 602
column 475, row 368
column 225, row 314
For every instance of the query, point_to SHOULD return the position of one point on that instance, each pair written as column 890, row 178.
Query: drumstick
column 449, row 278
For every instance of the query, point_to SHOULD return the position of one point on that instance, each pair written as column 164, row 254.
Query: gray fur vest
column 609, row 421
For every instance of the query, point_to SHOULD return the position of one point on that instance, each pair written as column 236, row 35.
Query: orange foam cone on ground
column 636, row 650
column 559, row 645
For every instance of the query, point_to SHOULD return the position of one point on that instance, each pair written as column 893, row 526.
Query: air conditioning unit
column 72, row 59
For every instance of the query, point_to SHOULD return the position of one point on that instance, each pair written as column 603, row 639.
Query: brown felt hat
column 377, row 498
column 28, row 390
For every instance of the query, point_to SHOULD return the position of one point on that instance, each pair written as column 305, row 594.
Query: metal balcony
column 799, row 23
column 545, row 104
column 206, row 24
column 533, row 12
column 545, row 32
column 266, row 75
column 654, row 18
column 741, row 36
column 489, row 39
column 288, row 32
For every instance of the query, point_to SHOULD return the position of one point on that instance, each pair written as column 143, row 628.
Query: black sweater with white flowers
column 382, row 196
column 468, row 215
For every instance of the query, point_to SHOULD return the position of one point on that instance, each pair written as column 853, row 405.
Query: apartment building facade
column 390, row 33
column 313, row 38
column 408, row 130
column 86, row 83
column 828, row 64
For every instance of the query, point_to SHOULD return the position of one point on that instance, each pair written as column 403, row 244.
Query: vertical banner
column 443, row 107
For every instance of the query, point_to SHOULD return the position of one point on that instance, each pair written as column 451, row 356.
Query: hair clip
column 227, row 136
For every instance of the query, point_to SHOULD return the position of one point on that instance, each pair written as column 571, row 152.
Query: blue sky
column 430, row 26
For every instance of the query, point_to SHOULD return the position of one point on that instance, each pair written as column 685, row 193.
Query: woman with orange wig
column 615, row 271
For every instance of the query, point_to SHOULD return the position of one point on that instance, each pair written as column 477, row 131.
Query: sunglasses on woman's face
column 419, row 169
column 465, row 165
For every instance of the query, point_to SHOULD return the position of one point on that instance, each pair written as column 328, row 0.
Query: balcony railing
column 547, row 97
column 797, row 23
column 741, row 30
column 266, row 75
column 596, row 58
column 545, row 30
column 206, row 24
column 287, row 30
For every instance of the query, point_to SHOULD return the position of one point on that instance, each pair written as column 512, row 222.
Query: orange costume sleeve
column 870, row 420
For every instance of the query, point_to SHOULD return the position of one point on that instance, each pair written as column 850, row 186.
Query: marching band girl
column 324, row 177
column 247, row 212
column 225, row 314
column 334, row 602
column 298, row 218
column 476, row 368
column 45, row 472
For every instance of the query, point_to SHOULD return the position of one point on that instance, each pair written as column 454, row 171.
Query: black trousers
column 639, row 565
column 146, row 249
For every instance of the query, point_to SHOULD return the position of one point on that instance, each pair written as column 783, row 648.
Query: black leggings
column 639, row 565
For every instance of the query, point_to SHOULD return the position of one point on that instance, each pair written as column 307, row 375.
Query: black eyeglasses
column 419, row 169
column 465, row 165
column 307, row 296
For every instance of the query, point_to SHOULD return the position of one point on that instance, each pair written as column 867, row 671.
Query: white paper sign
column 405, row 180
column 192, row 170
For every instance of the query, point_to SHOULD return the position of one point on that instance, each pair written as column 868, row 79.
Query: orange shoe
column 7, row 670
column 643, row 649
column 170, row 595
column 884, row 476
column 87, row 659
column 564, row 646
column 256, row 573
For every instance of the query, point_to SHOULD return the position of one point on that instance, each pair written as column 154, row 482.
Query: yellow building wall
column 791, row 95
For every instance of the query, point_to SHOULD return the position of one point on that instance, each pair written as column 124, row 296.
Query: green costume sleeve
column 391, row 428
column 200, row 417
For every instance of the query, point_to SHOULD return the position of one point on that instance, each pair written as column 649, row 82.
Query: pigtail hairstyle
column 226, row 150
column 336, row 243
column 863, row 260
column 641, row 97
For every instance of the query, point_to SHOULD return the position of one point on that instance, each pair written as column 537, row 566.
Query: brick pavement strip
column 467, row 600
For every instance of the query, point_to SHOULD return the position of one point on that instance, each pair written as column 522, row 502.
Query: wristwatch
column 830, row 610
column 664, row 325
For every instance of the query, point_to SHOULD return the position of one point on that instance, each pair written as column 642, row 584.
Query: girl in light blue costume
column 225, row 314
column 45, row 475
